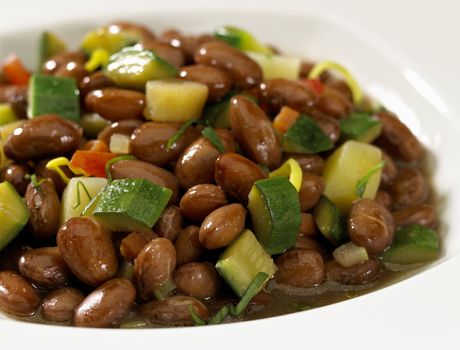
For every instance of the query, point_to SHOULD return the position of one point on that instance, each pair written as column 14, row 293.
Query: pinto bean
column 236, row 175
column 170, row 223
column 254, row 132
column 370, row 225
column 59, row 305
column 73, row 70
column 16, row 174
column 218, row 81
column 329, row 126
column 132, row 244
column 360, row 273
column 384, row 199
column 196, row 164
column 424, row 215
column 305, row 242
column 409, row 188
column 43, row 172
column 94, row 81
column 169, row 53
column 310, row 191
column 16, row 96
column 308, row 226
column 145, row 33
column 61, row 61
column 244, row 70
column 153, row 267
column 199, row 280
column 43, row 203
column 334, row 104
column 136, row 169
column 88, row 250
column 107, row 305
column 33, row 139
column 200, row 200
column 301, row 268
column 149, row 142
column 222, row 226
column 389, row 170
column 188, row 246
column 45, row 266
column 309, row 162
column 17, row 296
column 187, row 44
column 340, row 86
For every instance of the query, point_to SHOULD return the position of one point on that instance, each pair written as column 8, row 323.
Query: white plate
column 403, row 66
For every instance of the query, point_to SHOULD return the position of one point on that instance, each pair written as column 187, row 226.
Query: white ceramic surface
column 420, row 312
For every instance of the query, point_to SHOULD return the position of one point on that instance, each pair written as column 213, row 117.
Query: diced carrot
column 15, row 71
column 92, row 162
column 285, row 119
column 95, row 145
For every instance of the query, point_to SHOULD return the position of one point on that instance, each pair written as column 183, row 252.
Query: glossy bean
column 116, row 104
column 409, row 188
column 370, row 225
column 136, row 169
column 94, row 81
column 107, row 305
column 199, row 280
column 222, row 226
column 305, row 242
column 167, row 52
column 188, row 246
column 424, row 215
column 61, row 61
column 45, row 266
column 312, row 163
column 310, row 191
column 301, row 268
column 200, row 200
column 17, row 296
column 153, row 267
column 308, row 225
column 16, row 96
column 360, row 273
column 124, row 127
column 16, row 174
column 236, row 175
column 196, row 164
column 254, row 132
column 88, row 250
column 170, row 223
column 73, row 70
column 334, row 104
column 149, row 142
column 218, row 81
column 187, row 44
column 132, row 244
column 389, row 170
column 33, row 139
column 329, row 126
column 9, row 258
column 341, row 87
column 43, row 172
column 43, row 203
column 145, row 33
column 245, row 71
column 384, row 199
column 60, row 304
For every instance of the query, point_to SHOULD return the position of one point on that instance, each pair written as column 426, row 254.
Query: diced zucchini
column 412, row 244
column 360, row 127
column 133, row 67
column 50, row 94
column 14, row 214
column 174, row 100
column 275, row 213
column 277, row 66
column 7, row 129
column 120, row 144
column 242, row 260
column 241, row 39
column 350, row 254
column 329, row 221
column 305, row 136
column 2, row 155
column 7, row 114
column 218, row 113
column 292, row 170
column 131, row 205
column 345, row 167
column 77, row 195
column 93, row 124
column 111, row 39
column 49, row 46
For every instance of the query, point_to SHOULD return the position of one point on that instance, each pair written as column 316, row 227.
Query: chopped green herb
column 114, row 160
column 212, row 136
column 178, row 134
column 220, row 315
column 361, row 127
column 197, row 319
column 35, row 182
column 362, row 183
column 301, row 306
column 81, row 184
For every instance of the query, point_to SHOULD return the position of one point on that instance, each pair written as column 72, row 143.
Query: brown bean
column 170, row 223
column 409, row 188
column 254, row 132
column 43, row 172
column 360, row 273
column 174, row 311
column 95, row 81
column 73, row 70
column 199, row 280
column 329, row 126
column 149, row 142
column 310, row 191
column 17, row 296
column 62, row 60
column 301, row 268
column 45, row 266
column 187, row 44
column 16, row 96
column 305, row 242
column 107, row 305
column 43, row 203
column 276, row 93
column 116, row 104
column 88, row 250
column 244, row 70
column 370, row 225
column 309, row 162
column 145, row 33
column 424, row 215
column 334, row 104
column 16, row 174
column 167, row 52
column 136, row 169
column 340, row 86
column 218, row 81
column 188, row 246
column 222, row 226
column 154, row 267
column 33, row 139
column 200, row 200
column 384, row 199
column 124, row 127
column 236, row 175
column 308, row 226
column 59, row 305
column 389, row 170
column 132, row 244
column 398, row 140
column 196, row 164
column 9, row 258
column 306, row 67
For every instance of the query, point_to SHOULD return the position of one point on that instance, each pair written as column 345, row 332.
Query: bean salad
column 164, row 179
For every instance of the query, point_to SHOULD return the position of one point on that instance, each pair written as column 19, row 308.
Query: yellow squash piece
column 276, row 66
column 292, row 170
